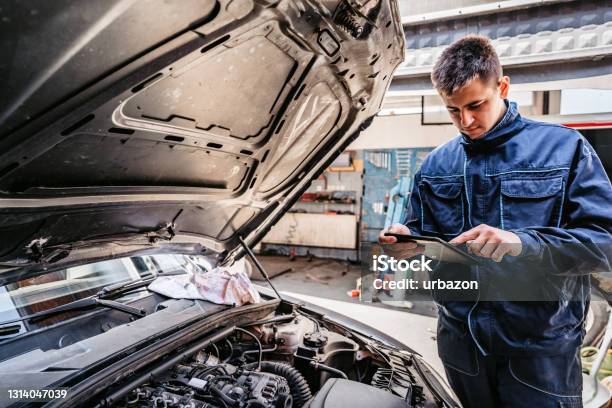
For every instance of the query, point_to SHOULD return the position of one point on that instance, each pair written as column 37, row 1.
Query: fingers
column 516, row 248
column 474, row 246
column 466, row 236
column 395, row 229
column 483, row 247
column 403, row 250
column 489, row 247
column 460, row 239
column 474, row 238
column 383, row 239
column 499, row 252
column 489, row 242
column 399, row 229
column 484, row 241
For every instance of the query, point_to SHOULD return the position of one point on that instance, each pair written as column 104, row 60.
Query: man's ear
column 504, row 86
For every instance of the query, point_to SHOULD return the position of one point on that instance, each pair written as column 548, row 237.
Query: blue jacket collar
column 507, row 127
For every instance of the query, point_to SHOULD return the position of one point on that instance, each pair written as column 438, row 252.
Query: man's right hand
column 398, row 250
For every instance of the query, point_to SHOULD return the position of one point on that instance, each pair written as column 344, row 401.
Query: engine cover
column 340, row 393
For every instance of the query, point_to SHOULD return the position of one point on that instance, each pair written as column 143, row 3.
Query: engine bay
column 290, row 360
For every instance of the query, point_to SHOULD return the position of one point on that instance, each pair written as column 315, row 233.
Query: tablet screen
column 436, row 248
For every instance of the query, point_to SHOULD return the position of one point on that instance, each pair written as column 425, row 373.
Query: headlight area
column 281, row 361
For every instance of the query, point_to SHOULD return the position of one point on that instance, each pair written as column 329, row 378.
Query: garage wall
column 396, row 131
column 315, row 230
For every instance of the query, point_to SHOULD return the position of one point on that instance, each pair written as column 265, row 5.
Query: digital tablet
column 438, row 249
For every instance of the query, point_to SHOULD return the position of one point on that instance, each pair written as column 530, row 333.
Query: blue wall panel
column 388, row 175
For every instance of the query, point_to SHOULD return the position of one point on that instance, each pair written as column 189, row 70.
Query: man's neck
column 503, row 110
column 502, row 113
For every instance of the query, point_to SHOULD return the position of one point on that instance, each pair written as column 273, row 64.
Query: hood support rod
column 258, row 265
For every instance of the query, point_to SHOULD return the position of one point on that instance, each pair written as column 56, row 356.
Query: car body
column 142, row 138
column 104, row 356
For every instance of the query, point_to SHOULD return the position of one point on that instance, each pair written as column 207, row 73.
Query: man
column 533, row 201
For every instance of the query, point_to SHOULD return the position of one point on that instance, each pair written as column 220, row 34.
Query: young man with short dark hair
column 533, row 201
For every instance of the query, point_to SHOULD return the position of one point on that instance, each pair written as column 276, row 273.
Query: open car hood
column 176, row 126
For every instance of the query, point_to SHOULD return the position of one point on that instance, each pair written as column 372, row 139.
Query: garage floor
column 326, row 282
column 326, row 278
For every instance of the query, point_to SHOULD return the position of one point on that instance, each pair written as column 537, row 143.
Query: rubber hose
column 300, row 391
column 327, row 368
column 220, row 394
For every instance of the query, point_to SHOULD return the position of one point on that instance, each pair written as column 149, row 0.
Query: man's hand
column 398, row 250
column 489, row 242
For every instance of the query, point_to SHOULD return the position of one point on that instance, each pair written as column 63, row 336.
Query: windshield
column 38, row 294
column 33, row 295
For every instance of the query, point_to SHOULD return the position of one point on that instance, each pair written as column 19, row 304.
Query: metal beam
column 468, row 11
column 568, row 44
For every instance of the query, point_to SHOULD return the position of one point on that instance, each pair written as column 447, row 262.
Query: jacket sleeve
column 413, row 213
column 583, row 242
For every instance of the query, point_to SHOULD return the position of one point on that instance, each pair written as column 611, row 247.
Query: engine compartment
column 291, row 360
column 220, row 385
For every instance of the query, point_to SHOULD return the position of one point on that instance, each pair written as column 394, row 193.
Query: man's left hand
column 490, row 242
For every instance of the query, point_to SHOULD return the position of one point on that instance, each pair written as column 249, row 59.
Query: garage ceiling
column 531, row 37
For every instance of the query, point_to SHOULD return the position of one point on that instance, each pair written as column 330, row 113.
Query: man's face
column 478, row 106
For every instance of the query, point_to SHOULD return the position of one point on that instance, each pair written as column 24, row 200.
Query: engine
column 294, row 362
column 224, row 385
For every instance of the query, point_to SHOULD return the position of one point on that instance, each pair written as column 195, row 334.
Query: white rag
column 221, row 285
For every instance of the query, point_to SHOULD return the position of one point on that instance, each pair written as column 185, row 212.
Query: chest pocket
column 442, row 204
column 531, row 202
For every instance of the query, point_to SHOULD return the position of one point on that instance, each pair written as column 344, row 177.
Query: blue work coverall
column 515, row 340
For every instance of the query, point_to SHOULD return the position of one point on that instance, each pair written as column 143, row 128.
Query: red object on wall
column 587, row 124
column 309, row 197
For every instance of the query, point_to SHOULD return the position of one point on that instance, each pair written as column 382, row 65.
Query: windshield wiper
column 99, row 299
column 83, row 304
column 122, row 287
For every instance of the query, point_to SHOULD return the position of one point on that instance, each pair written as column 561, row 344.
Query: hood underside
column 176, row 126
